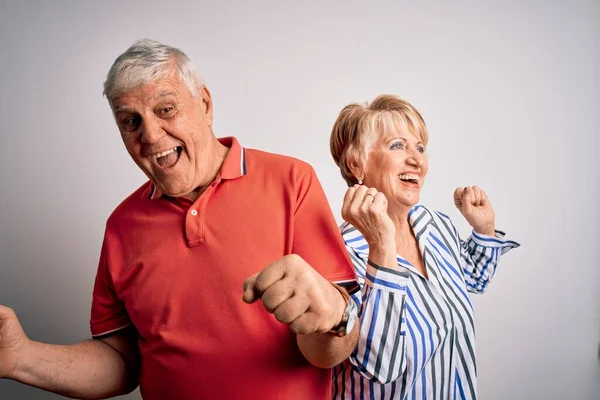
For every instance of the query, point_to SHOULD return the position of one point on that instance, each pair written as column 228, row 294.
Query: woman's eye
column 397, row 146
column 421, row 149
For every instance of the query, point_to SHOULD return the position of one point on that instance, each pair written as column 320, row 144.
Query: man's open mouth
column 168, row 158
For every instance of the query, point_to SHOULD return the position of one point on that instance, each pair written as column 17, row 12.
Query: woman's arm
column 480, row 252
column 380, row 352
column 480, row 255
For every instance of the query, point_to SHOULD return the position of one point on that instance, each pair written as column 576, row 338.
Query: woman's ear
column 356, row 168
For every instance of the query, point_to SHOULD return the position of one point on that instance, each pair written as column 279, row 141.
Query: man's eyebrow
column 164, row 94
column 122, row 107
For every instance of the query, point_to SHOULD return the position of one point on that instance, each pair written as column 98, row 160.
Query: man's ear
column 208, row 104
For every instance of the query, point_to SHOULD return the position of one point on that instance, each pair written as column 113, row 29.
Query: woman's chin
column 403, row 204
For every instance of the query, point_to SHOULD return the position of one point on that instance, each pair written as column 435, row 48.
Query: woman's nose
column 413, row 160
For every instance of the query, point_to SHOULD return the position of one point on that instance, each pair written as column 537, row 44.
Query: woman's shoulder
column 423, row 215
column 421, row 209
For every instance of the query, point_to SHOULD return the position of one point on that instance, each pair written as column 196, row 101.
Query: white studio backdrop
column 509, row 90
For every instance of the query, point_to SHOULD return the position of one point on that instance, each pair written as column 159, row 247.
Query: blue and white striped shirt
column 417, row 335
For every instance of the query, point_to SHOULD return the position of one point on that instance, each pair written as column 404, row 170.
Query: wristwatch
column 348, row 317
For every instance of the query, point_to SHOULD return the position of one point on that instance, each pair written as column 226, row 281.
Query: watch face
column 352, row 317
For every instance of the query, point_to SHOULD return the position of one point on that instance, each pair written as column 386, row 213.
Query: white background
column 509, row 90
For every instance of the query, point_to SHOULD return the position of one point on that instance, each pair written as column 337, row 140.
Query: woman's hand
column 474, row 205
column 366, row 209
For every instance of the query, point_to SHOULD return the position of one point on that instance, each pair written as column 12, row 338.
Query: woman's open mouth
column 410, row 180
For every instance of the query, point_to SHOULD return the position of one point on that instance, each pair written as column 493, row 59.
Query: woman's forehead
column 399, row 131
column 393, row 124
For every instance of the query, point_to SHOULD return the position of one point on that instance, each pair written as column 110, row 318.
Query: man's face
column 168, row 133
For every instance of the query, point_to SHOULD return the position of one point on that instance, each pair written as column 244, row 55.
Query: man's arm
column 325, row 350
column 91, row 369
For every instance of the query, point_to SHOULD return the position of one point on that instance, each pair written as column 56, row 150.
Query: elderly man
column 214, row 218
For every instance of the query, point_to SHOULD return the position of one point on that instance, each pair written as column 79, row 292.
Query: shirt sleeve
column 108, row 313
column 316, row 237
column 480, row 255
column 380, row 354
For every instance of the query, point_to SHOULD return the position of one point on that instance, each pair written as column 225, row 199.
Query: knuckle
column 260, row 284
column 296, row 328
column 269, row 300
column 268, row 305
column 292, row 260
column 304, row 281
column 301, row 327
column 282, row 315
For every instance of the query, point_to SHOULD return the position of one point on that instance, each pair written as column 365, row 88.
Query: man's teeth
column 164, row 153
column 409, row 177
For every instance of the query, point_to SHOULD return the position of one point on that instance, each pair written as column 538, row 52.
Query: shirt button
column 194, row 212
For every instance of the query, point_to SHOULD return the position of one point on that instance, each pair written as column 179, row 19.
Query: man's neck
column 219, row 153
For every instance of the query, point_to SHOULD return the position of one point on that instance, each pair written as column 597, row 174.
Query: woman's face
column 397, row 167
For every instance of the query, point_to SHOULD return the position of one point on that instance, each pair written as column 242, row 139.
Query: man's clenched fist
column 297, row 295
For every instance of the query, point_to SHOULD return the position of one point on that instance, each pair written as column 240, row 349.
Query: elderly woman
column 417, row 336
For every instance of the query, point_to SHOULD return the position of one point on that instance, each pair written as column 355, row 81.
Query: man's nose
column 151, row 130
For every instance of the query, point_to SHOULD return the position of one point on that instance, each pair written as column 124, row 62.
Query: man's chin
column 172, row 190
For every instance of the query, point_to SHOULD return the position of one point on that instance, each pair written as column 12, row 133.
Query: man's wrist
column 22, row 366
column 348, row 315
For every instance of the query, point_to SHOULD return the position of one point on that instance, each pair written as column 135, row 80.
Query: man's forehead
column 122, row 102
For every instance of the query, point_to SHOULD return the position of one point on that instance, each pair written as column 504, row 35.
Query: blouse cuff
column 387, row 279
column 496, row 241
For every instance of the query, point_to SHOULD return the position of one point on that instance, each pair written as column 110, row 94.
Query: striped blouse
column 417, row 335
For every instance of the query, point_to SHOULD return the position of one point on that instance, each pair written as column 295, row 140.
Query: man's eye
column 131, row 124
column 166, row 111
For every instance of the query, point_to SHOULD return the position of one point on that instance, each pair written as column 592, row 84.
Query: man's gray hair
column 147, row 61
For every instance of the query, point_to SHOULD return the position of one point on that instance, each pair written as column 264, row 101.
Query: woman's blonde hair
column 359, row 125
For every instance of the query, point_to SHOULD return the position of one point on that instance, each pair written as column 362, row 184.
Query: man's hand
column 13, row 342
column 89, row 369
column 297, row 295
column 474, row 205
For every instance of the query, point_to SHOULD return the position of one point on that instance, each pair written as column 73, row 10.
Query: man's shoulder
column 132, row 202
column 276, row 163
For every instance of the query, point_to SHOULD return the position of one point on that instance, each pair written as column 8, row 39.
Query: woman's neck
column 403, row 228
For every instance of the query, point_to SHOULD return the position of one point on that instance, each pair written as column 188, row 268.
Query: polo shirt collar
column 233, row 167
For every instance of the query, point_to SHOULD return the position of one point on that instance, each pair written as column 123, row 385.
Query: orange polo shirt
column 174, row 269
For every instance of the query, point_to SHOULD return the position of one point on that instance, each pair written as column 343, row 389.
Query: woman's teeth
column 409, row 177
